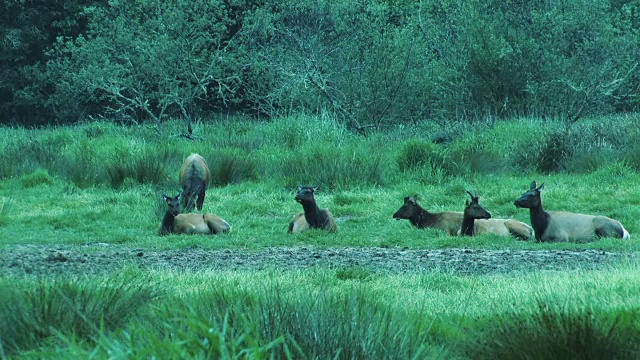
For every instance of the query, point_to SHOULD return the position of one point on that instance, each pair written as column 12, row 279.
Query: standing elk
column 312, row 217
column 194, row 179
column 175, row 223
column 555, row 226
column 477, row 221
column 449, row 221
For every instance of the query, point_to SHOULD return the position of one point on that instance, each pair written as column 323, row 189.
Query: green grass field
column 100, row 183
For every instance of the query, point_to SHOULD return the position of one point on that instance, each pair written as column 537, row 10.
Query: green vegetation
column 101, row 183
column 370, row 63
column 323, row 314
column 101, row 175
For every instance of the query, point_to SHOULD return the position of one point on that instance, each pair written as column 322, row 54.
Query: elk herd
column 546, row 226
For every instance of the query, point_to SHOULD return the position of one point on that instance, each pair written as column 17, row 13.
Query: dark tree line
column 370, row 63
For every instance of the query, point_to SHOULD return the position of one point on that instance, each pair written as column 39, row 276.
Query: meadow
column 100, row 183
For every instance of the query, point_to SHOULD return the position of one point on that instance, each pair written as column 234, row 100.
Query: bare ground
column 44, row 260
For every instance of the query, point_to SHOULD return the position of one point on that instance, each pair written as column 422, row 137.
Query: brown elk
column 312, row 217
column 194, row 179
column 175, row 223
column 448, row 221
column 478, row 221
column 555, row 226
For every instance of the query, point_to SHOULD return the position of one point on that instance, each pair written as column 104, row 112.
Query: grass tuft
column 231, row 166
column 38, row 177
column 558, row 332
column 36, row 310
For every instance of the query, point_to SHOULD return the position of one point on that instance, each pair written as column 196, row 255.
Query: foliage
column 370, row 64
column 145, row 60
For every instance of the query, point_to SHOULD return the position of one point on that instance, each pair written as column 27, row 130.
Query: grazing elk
column 448, row 221
column 478, row 221
column 175, row 223
column 312, row 217
column 554, row 226
column 194, row 179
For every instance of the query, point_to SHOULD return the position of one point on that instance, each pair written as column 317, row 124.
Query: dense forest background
column 371, row 63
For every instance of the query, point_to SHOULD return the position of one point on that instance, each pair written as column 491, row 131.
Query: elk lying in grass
column 478, row 221
column 194, row 179
column 448, row 221
column 554, row 226
column 175, row 223
column 312, row 217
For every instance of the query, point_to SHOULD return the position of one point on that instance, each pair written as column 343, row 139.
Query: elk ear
column 467, row 203
column 533, row 185
column 412, row 200
column 470, row 194
column 541, row 187
column 165, row 197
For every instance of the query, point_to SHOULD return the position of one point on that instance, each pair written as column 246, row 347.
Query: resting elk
column 194, row 179
column 477, row 221
column 175, row 223
column 312, row 217
column 448, row 221
column 554, row 226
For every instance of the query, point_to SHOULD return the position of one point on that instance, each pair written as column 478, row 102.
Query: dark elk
column 478, row 221
column 312, row 217
column 194, row 179
column 554, row 226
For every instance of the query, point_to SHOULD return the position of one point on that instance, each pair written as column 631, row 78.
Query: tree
column 148, row 60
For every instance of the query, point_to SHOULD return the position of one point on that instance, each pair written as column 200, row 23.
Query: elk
column 312, row 217
column 478, row 221
column 449, row 221
column 175, row 223
column 194, row 179
column 556, row 226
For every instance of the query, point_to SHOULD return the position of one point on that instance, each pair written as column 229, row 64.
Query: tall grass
column 325, row 314
column 32, row 311
column 559, row 331
column 306, row 149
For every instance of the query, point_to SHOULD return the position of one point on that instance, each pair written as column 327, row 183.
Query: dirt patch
column 42, row 260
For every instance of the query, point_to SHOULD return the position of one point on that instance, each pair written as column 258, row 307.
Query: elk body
column 449, row 221
column 477, row 221
column 312, row 217
column 175, row 223
column 194, row 179
column 555, row 226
